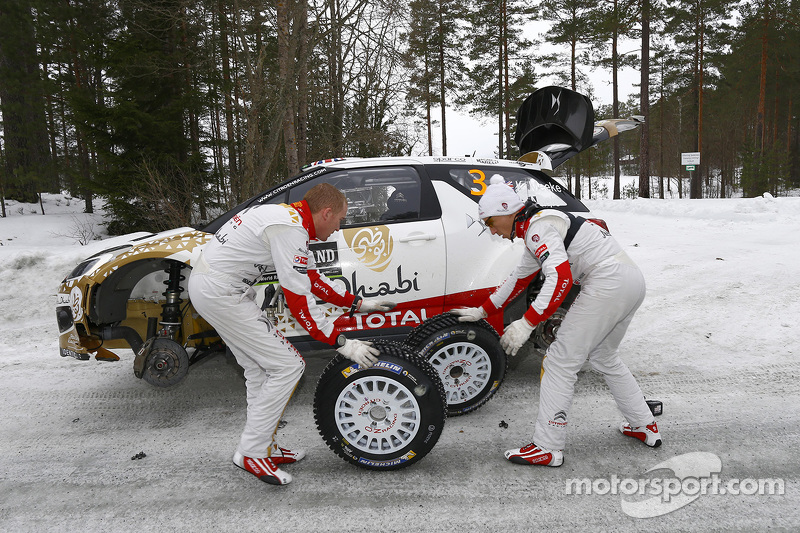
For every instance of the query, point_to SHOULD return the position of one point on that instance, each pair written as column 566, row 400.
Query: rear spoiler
column 556, row 124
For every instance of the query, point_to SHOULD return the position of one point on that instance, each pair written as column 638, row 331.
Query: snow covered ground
column 716, row 340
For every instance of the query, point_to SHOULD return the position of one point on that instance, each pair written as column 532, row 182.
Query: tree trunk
column 302, row 84
column 760, row 117
column 697, row 178
column 227, row 90
column 574, row 84
column 442, row 72
column 428, row 105
column 644, row 104
column 286, row 58
column 694, row 177
column 336, row 73
column 506, row 90
column 661, row 146
column 615, row 101
column 501, row 40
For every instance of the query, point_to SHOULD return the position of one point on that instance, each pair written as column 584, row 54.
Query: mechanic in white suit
column 567, row 249
column 257, row 240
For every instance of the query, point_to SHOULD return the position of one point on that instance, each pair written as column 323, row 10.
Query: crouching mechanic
column 257, row 240
column 567, row 249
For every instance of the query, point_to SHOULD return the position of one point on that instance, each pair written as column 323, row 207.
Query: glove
column 361, row 352
column 370, row 306
column 469, row 314
column 515, row 335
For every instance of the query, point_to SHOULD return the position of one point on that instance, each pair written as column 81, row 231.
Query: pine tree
column 433, row 59
column 497, row 52
column 699, row 31
column 143, row 136
column 614, row 20
column 28, row 166
column 570, row 19
column 419, row 60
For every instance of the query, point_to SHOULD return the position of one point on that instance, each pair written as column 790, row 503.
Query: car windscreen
column 472, row 180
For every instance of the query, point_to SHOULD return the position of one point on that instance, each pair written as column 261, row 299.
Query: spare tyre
column 466, row 355
column 385, row 417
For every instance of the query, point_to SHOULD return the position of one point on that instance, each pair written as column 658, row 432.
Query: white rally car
column 412, row 236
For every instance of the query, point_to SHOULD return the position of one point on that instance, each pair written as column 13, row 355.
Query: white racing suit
column 261, row 239
column 612, row 288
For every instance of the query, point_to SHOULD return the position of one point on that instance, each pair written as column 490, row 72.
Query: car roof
column 342, row 163
column 353, row 162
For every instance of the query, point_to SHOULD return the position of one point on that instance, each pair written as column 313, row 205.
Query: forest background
column 172, row 111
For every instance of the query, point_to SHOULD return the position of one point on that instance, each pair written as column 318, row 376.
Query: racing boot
column 263, row 468
column 648, row 434
column 534, row 455
column 284, row 456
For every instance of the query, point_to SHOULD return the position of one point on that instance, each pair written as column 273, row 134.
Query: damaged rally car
column 412, row 235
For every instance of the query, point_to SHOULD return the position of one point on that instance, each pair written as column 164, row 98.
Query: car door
column 391, row 245
column 478, row 261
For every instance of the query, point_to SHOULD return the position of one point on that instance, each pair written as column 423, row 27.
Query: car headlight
column 96, row 261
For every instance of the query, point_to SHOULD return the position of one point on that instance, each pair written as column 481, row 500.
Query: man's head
column 498, row 207
column 328, row 208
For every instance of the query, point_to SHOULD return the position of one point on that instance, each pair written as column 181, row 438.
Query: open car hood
column 559, row 124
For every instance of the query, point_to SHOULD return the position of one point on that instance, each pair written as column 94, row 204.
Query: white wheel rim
column 465, row 370
column 377, row 415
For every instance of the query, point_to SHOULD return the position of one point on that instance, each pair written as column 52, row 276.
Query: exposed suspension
column 171, row 309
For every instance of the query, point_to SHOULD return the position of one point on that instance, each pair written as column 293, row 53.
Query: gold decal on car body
column 373, row 246
column 164, row 248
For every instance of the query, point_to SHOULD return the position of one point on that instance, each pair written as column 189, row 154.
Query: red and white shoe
column 263, row 468
column 284, row 456
column 648, row 434
column 534, row 455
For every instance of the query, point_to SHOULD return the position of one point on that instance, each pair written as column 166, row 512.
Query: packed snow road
column 88, row 447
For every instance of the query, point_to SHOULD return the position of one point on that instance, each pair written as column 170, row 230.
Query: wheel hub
column 456, row 372
column 465, row 369
column 377, row 414
column 166, row 364
column 163, row 361
column 545, row 333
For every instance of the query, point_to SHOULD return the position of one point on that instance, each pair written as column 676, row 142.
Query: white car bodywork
column 438, row 257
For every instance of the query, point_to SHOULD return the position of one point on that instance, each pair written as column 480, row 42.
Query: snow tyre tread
column 399, row 370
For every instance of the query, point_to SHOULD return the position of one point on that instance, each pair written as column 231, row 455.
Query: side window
column 546, row 192
column 376, row 195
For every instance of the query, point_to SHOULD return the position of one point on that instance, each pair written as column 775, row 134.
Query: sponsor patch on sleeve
column 541, row 250
column 300, row 263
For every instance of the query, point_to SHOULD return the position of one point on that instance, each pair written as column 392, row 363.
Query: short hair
column 324, row 195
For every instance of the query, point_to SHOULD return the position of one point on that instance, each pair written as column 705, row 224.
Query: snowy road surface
column 716, row 340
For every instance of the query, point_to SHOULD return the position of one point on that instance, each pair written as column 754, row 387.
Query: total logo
column 409, row 317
